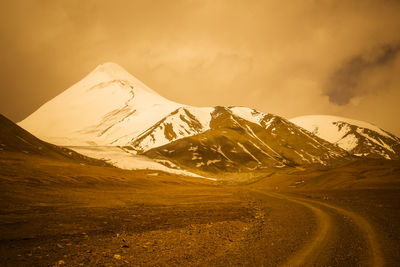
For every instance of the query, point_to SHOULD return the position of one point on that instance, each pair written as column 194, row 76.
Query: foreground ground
column 57, row 213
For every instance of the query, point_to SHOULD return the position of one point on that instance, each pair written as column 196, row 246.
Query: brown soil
column 62, row 213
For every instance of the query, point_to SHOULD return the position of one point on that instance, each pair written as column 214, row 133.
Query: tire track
column 310, row 250
column 376, row 258
column 308, row 254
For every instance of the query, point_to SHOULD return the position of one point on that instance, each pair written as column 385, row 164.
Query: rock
column 117, row 256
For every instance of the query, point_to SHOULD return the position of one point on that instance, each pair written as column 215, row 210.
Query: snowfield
column 120, row 158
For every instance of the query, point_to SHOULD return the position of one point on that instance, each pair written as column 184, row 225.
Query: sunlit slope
column 234, row 144
column 357, row 137
column 182, row 122
column 108, row 107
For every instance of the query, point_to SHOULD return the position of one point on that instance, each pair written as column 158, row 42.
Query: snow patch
column 125, row 160
column 213, row 161
column 249, row 114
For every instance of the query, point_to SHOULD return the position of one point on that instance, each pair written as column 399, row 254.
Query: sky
column 290, row 58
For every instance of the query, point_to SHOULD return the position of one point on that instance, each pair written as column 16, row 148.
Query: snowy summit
column 108, row 106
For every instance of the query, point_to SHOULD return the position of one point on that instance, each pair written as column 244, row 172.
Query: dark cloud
column 345, row 83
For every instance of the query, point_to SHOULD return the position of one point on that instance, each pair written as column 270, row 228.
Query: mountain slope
column 234, row 144
column 182, row 122
column 357, row 137
column 15, row 139
column 108, row 106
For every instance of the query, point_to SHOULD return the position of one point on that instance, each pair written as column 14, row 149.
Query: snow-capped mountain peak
column 112, row 72
column 108, row 106
column 357, row 137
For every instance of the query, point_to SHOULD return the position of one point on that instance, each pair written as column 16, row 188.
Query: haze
column 290, row 58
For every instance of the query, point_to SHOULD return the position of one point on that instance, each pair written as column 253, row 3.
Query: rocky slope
column 182, row 122
column 231, row 143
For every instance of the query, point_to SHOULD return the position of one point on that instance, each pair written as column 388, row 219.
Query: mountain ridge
column 234, row 144
column 110, row 107
column 357, row 137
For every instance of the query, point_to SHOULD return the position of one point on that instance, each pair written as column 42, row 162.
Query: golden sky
column 291, row 58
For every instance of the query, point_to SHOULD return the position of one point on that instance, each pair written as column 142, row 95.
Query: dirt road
column 328, row 237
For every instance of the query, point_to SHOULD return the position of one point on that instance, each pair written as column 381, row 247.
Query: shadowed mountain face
column 234, row 144
column 357, row 137
column 15, row 139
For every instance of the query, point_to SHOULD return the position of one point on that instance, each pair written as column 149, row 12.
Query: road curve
column 376, row 258
column 307, row 255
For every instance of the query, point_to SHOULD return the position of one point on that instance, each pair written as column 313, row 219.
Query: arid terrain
column 59, row 212
column 200, row 133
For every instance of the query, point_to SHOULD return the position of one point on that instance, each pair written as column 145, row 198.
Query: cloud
column 346, row 82
column 290, row 58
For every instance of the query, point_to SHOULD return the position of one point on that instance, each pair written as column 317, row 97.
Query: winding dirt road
column 330, row 245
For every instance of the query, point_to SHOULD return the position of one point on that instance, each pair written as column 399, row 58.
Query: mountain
column 15, row 139
column 357, row 137
column 182, row 122
column 233, row 139
column 108, row 107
